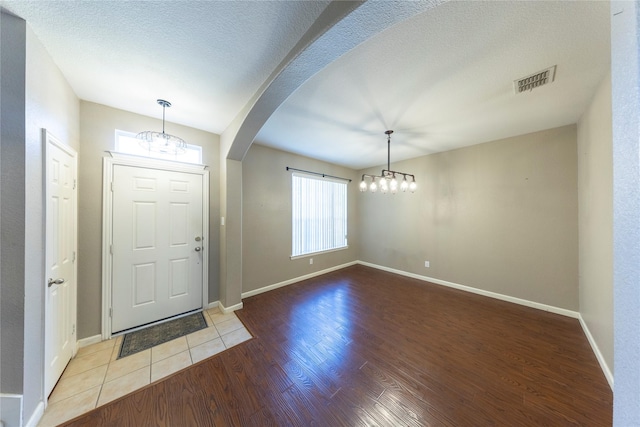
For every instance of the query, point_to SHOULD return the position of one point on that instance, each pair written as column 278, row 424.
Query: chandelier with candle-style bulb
column 387, row 181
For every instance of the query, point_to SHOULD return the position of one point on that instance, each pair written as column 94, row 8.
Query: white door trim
column 48, row 138
column 107, row 221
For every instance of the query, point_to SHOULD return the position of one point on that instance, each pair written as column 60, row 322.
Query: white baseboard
column 212, row 305
column 227, row 310
column 84, row 342
column 527, row 303
column 296, row 279
column 596, row 350
column 11, row 405
column 36, row 416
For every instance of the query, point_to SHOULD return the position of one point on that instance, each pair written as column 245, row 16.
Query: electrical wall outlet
column 426, row 264
column 310, row 261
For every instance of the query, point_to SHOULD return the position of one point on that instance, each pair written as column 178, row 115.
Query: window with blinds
column 319, row 214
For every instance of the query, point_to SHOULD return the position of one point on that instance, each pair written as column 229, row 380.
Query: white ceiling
column 206, row 57
column 442, row 79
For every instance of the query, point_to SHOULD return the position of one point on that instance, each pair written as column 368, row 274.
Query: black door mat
column 143, row 339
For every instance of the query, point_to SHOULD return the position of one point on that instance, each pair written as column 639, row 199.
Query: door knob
column 198, row 249
column 52, row 282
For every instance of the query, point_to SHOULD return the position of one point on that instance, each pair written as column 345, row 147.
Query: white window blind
column 319, row 214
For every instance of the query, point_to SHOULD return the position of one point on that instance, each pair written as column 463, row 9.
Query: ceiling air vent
column 534, row 80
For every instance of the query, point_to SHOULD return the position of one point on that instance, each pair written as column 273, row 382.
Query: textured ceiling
column 207, row 57
column 444, row 79
column 441, row 79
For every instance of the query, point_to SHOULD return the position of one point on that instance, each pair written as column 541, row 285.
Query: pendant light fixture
column 387, row 181
column 162, row 142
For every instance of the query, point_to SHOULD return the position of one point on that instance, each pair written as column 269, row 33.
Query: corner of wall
column 625, row 95
column 595, row 224
column 596, row 350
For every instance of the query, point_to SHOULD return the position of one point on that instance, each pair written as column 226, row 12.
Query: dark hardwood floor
column 364, row 347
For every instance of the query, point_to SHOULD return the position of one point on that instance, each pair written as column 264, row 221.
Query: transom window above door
column 127, row 143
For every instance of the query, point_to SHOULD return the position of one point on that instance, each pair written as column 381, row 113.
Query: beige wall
column 97, row 135
column 52, row 105
column 35, row 96
column 12, row 205
column 266, row 225
column 595, row 195
column 499, row 216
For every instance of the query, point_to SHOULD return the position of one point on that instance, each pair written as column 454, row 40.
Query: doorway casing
column 52, row 328
column 109, row 162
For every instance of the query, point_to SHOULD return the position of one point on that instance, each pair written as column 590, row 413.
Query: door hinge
column 74, row 184
column 112, row 186
column 111, row 249
column 73, row 256
column 73, row 331
column 111, row 312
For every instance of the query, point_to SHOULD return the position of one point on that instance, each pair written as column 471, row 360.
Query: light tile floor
column 95, row 377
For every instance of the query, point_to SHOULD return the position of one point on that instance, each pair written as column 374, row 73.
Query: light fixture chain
column 389, row 152
column 164, row 107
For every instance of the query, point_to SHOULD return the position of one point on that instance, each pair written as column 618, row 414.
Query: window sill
column 319, row 252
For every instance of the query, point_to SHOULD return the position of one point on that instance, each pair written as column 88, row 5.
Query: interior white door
column 60, row 213
column 157, row 245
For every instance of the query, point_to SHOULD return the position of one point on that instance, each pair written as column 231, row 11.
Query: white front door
column 157, row 245
column 60, row 282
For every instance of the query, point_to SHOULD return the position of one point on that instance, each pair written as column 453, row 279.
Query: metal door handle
column 198, row 249
column 52, row 282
